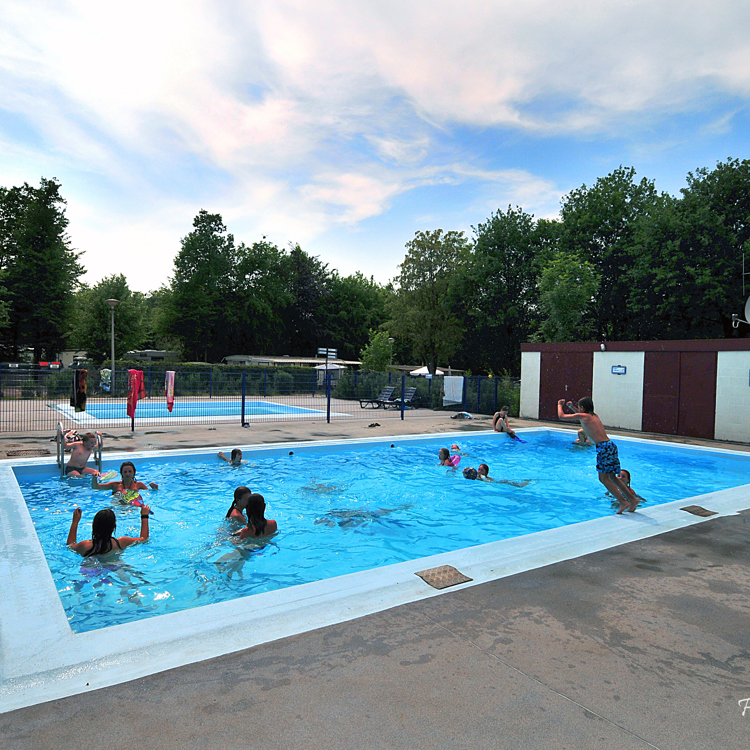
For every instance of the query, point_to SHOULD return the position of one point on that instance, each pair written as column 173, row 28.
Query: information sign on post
column 328, row 354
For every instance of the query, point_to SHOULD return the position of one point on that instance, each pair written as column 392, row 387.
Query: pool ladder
column 60, row 440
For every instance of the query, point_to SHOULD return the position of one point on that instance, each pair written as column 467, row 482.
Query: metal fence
column 36, row 399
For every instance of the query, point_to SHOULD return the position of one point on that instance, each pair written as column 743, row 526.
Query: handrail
column 98, row 450
column 60, row 440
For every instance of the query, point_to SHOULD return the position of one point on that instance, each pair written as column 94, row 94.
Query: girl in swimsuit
column 102, row 529
column 258, row 524
column 236, row 510
column 127, row 483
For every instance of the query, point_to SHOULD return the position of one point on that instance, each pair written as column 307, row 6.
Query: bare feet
column 624, row 505
column 634, row 503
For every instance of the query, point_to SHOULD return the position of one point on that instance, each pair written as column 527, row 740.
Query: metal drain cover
column 697, row 510
column 442, row 577
column 28, row 452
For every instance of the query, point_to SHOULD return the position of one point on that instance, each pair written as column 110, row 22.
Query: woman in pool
column 236, row 457
column 127, row 483
column 257, row 525
column 239, row 504
column 102, row 539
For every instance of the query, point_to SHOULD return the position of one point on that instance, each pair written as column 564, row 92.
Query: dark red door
column 661, row 392
column 567, row 375
column 697, row 411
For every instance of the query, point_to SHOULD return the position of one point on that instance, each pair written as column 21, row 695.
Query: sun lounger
column 409, row 401
column 381, row 400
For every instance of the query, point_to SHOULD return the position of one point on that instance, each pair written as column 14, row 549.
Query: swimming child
column 82, row 449
column 447, row 460
column 102, row 533
column 500, row 422
column 236, row 457
column 127, row 483
column 483, row 473
column 607, row 460
column 239, row 504
column 257, row 524
column 582, row 439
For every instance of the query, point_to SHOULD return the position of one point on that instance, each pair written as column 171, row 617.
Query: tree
column 39, row 269
column 202, row 300
column 377, row 354
column 422, row 309
column 598, row 225
column 567, row 288
column 92, row 321
column 689, row 273
column 499, row 290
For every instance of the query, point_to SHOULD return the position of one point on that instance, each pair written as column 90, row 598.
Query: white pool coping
column 41, row 659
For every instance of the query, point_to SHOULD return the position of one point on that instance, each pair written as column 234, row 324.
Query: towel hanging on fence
column 453, row 386
column 78, row 397
column 136, row 390
column 105, row 379
column 169, row 389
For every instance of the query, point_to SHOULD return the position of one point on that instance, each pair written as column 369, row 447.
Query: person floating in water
column 482, row 472
column 582, row 439
column 257, row 524
column 127, row 483
column 500, row 422
column 103, row 528
column 447, row 460
column 239, row 504
column 607, row 460
column 81, row 450
column 235, row 459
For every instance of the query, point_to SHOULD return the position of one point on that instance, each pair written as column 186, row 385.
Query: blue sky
column 346, row 126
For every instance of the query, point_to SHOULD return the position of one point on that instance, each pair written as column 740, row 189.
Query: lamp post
column 390, row 352
column 112, row 305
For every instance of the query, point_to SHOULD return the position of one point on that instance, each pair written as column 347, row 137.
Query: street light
column 112, row 305
column 390, row 358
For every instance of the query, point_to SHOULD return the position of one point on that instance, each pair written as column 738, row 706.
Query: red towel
column 169, row 389
column 136, row 390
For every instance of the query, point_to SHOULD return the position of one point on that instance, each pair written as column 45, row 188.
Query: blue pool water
column 339, row 511
column 157, row 409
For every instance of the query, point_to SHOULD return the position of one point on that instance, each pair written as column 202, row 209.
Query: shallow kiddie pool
column 339, row 511
column 391, row 509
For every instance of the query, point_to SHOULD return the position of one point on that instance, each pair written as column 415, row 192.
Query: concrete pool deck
column 642, row 645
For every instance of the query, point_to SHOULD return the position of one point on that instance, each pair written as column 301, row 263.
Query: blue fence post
column 429, row 393
column 403, row 404
column 328, row 397
column 314, row 379
column 211, row 383
column 149, row 381
column 479, row 386
column 389, row 377
column 355, row 384
column 265, row 382
column 463, row 395
column 242, row 416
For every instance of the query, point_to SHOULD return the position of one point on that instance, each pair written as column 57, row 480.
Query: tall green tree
column 567, row 289
column 378, row 353
column 38, row 269
column 202, row 300
column 499, row 289
column 92, row 319
column 689, row 273
column 422, row 310
column 598, row 225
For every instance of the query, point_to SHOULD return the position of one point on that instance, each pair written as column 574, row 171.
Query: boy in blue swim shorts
column 607, row 460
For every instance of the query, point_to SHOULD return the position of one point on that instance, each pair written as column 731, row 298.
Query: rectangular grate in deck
column 28, row 452
column 442, row 577
column 697, row 510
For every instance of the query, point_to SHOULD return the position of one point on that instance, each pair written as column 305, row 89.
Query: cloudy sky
column 347, row 125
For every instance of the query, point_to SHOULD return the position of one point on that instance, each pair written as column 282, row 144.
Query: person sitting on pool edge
column 607, row 460
column 239, row 504
column 257, row 525
column 500, row 422
column 127, row 483
column 236, row 457
column 103, row 528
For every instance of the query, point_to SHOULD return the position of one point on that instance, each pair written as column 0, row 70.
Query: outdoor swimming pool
column 339, row 510
column 157, row 409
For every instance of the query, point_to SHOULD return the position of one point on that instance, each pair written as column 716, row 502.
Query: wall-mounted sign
column 619, row 369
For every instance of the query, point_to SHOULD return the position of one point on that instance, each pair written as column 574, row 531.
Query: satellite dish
column 747, row 310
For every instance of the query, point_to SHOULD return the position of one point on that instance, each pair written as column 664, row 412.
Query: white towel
column 453, row 386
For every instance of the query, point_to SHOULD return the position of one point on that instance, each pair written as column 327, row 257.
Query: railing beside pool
column 36, row 399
